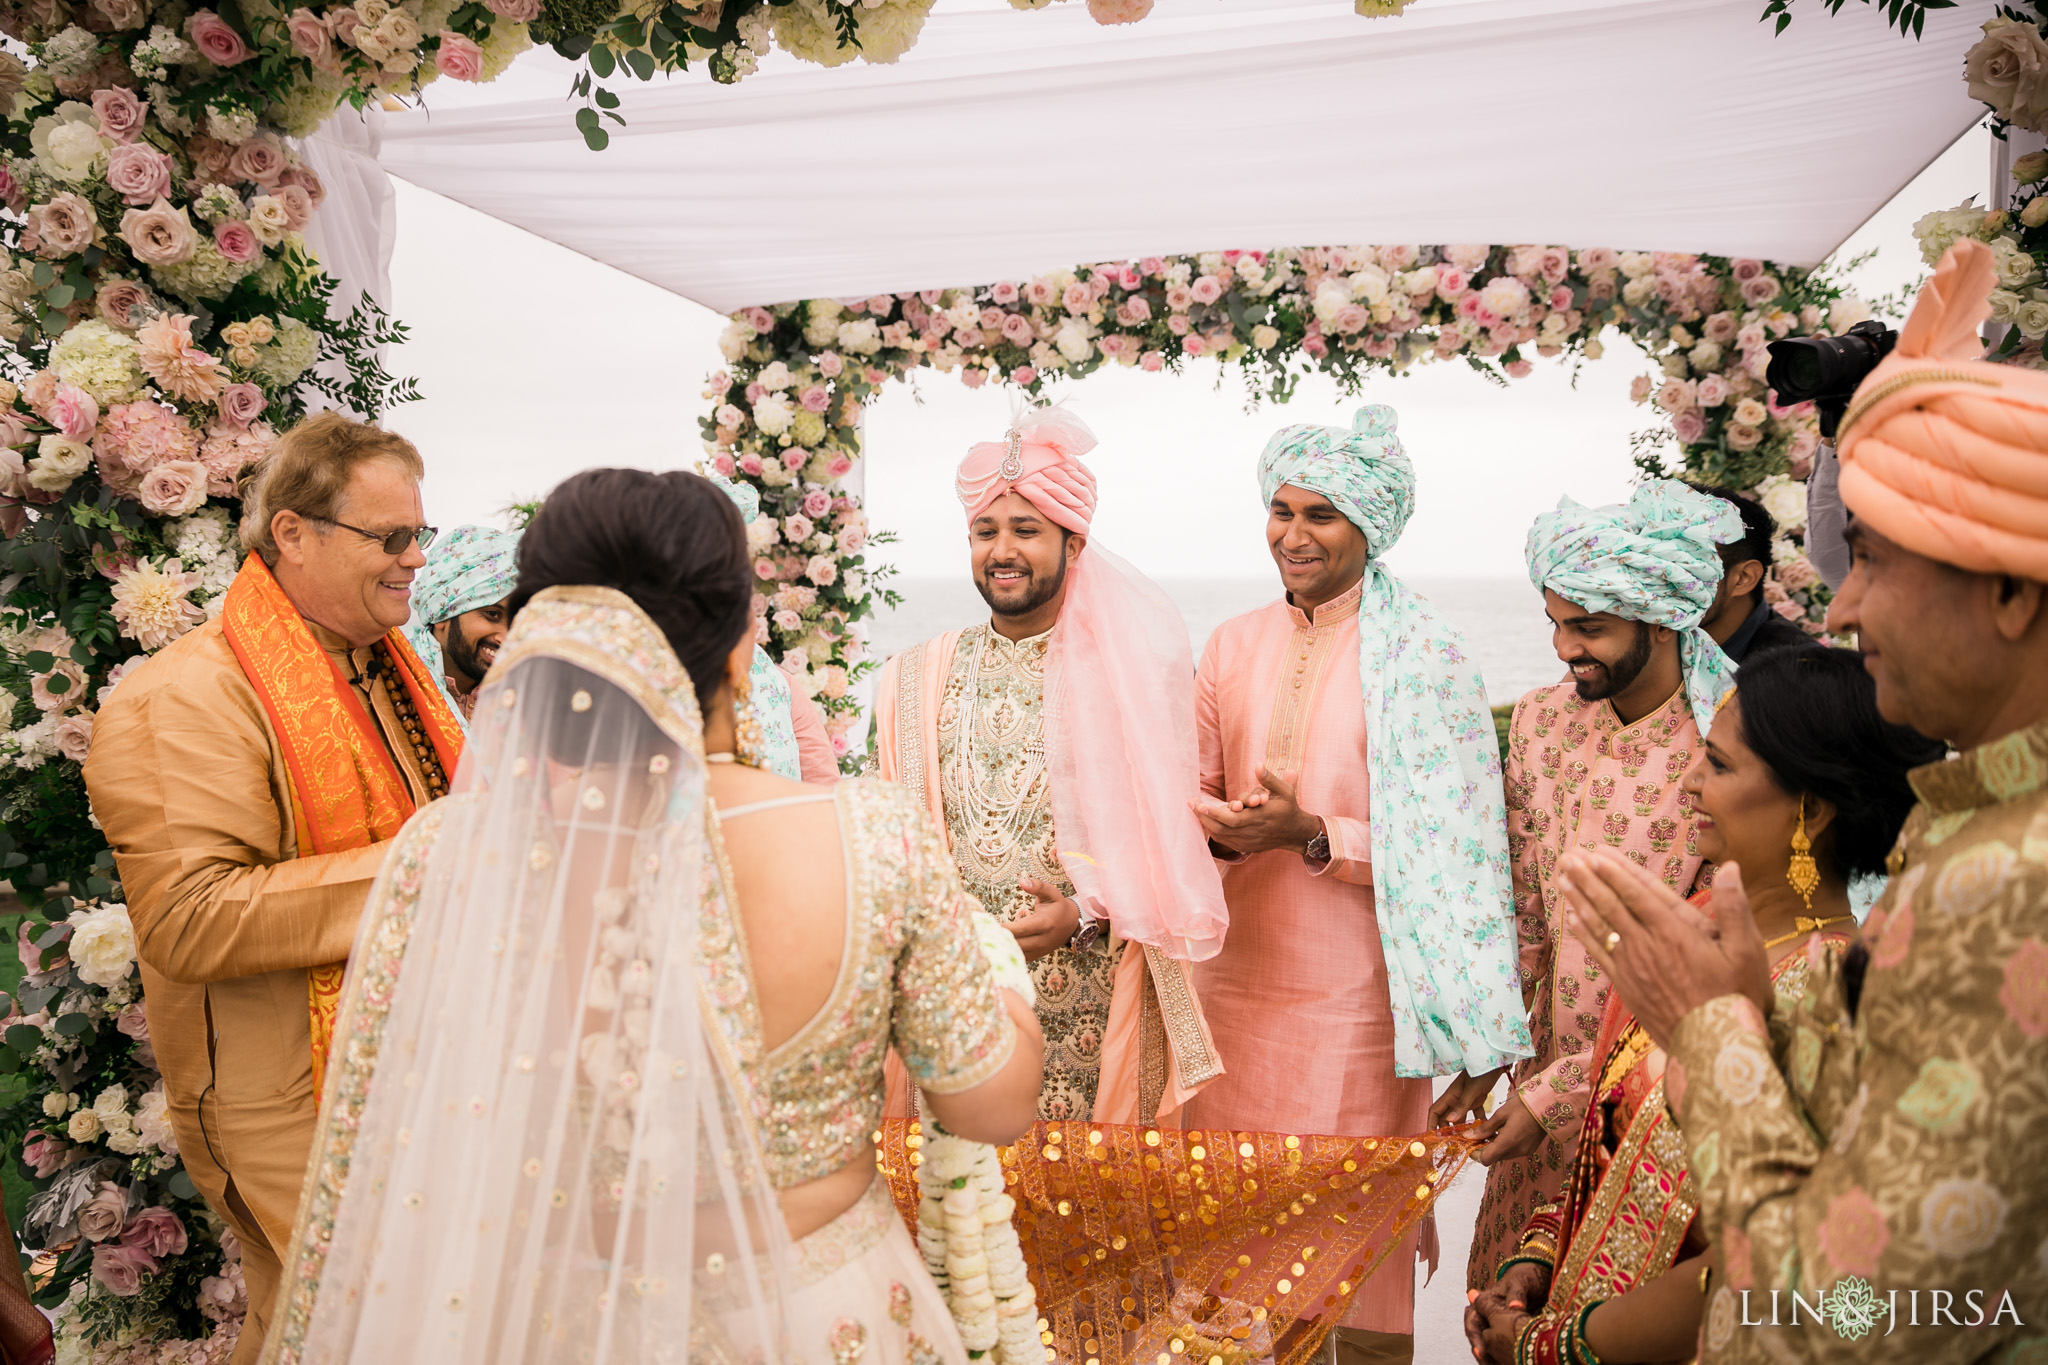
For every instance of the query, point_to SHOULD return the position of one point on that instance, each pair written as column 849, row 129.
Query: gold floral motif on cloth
column 1198, row 1246
column 998, row 804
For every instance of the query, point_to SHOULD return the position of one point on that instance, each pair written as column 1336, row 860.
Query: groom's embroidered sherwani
column 960, row 720
column 245, row 777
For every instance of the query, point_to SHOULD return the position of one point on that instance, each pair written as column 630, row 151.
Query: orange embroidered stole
column 346, row 791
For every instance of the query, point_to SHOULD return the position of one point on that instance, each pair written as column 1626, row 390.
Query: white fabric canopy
column 1007, row 142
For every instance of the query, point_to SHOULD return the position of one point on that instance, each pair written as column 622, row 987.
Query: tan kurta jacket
column 190, row 786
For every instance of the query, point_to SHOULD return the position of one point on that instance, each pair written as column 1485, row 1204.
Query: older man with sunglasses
column 246, row 777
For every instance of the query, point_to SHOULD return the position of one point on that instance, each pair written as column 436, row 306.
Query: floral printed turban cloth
column 1651, row 559
column 1943, row 452
column 1439, row 825
column 474, row 567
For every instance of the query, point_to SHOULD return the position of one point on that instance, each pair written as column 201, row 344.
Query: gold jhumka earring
column 747, row 739
column 1802, row 874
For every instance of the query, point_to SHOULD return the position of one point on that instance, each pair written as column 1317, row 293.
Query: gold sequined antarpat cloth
column 1153, row 1246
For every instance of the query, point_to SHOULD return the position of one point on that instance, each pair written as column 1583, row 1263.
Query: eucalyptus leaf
column 71, row 1025
column 602, row 62
column 24, row 1038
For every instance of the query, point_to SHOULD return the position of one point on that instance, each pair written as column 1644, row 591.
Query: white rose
column 268, row 219
column 2005, row 305
column 126, row 1141
column 1073, row 341
column 1331, row 297
column 2031, row 317
column 1846, row 312
column 1265, row 338
column 1594, row 350
column 2015, row 267
column 102, row 945
column 400, row 30
column 75, row 150
column 1637, row 291
column 1705, row 356
column 84, row 1126
column 112, row 1106
column 1751, row 413
column 773, row 413
column 58, row 461
column 776, row 377
column 1369, row 286
column 56, row 1104
column 1785, row 500
column 734, row 340
column 862, row 336
column 1636, row 264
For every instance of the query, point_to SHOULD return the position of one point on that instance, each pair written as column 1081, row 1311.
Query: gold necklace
column 1803, row 925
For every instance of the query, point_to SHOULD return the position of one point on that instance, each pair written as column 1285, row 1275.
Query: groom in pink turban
column 1056, row 747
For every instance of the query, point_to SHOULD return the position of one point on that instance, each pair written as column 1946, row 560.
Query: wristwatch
column 1317, row 850
column 1084, row 937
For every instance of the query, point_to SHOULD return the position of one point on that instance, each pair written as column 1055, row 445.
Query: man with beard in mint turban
column 1594, row 761
column 1354, row 800
column 459, row 612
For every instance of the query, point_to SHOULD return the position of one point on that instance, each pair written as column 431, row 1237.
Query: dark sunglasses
column 393, row 542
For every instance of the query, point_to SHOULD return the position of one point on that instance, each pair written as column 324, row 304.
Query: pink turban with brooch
column 1944, row 452
column 1039, row 457
column 1119, row 709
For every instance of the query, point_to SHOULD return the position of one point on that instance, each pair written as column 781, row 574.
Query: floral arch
column 164, row 316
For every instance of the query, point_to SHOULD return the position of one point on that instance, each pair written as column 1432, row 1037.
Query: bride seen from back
column 610, row 1053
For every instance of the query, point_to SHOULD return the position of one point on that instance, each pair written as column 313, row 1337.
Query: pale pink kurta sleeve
column 1350, row 849
column 1532, row 923
column 814, row 755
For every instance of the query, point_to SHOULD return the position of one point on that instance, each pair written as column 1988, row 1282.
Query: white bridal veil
column 537, row 1143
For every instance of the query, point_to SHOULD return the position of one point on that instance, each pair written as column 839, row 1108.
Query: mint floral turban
column 1652, row 559
column 768, row 695
column 474, row 567
column 1439, row 825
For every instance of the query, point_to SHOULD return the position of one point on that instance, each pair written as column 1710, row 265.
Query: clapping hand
column 1665, row 957
column 1269, row 816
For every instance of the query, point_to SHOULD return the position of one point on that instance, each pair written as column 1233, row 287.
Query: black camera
column 1825, row 371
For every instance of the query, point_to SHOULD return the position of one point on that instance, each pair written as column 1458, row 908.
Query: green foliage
column 1502, row 717
column 1907, row 16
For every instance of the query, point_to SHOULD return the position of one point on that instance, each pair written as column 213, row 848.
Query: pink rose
column 1194, row 346
column 1688, row 426
column 764, row 569
column 830, row 365
column 1451, row 283
column 63, row 227
column 458, row 57
column 817, row 503
column 1179, row 297
column 1518, row 369
column 236, row 240
column 242, row 404
column 1352, row 317
column 1152, row 361
column 518, row 11
column 1745, row 269
column 1759, row 291
column 822, row 570
column 1004, row 292
column 217, row 43
column 174, row 488
column 11, row 192
column 1017, row 329
column 120, row 113
column 1177, row 323
column 101, row 1219
column 155, row 1232
column 1560, row 298
column 312, row 39
column 306, row 179
column 816, row 398
column 117, row 301
column 795, row 458
column 1713, row 391
column 1139, row 310
column 1118, row 11
column 259, row 161
column 122, row 14
column 133, row 1022
column 159, row 235
column 120, row 1269
column 74, row 412
column 973, row 376
column 298, row 206
column 840, row 465
column 723, row 463
column 47, row 1155
column 1206, row 289
column 750, row 465
column 797, row 528
column 760, row 319
column 139, row 174
column 1024, row 374
column 1078, row 298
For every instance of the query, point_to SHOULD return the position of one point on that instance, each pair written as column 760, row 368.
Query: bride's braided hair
column 672, row 542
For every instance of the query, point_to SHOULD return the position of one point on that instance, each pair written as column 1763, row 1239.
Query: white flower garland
column 964, row 1223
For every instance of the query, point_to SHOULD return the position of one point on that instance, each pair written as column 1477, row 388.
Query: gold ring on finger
column 1613, row 940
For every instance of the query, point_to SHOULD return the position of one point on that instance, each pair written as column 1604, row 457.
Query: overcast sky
column 536, row 362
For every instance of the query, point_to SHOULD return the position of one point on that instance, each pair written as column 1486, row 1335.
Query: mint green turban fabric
column 768, row 698
column 474, row 567
column 1443, row 895
column 1651, row 559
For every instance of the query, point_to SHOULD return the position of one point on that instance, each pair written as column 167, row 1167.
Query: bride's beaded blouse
column 912, row 978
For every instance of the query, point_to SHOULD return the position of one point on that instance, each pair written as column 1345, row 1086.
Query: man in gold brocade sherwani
column 245, row 778
column 1876, row 1159
column 1065, row 713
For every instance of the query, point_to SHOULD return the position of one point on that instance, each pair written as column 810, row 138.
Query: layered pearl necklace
column 994, row 818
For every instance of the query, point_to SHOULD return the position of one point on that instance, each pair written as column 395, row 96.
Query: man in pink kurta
column 1304, row 1005
column 1595, row 762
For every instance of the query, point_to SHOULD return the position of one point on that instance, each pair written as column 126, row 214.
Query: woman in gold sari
column 1803, row 785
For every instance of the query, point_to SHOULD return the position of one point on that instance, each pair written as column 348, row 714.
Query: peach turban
column 1040, row 457
column 1946, row 453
